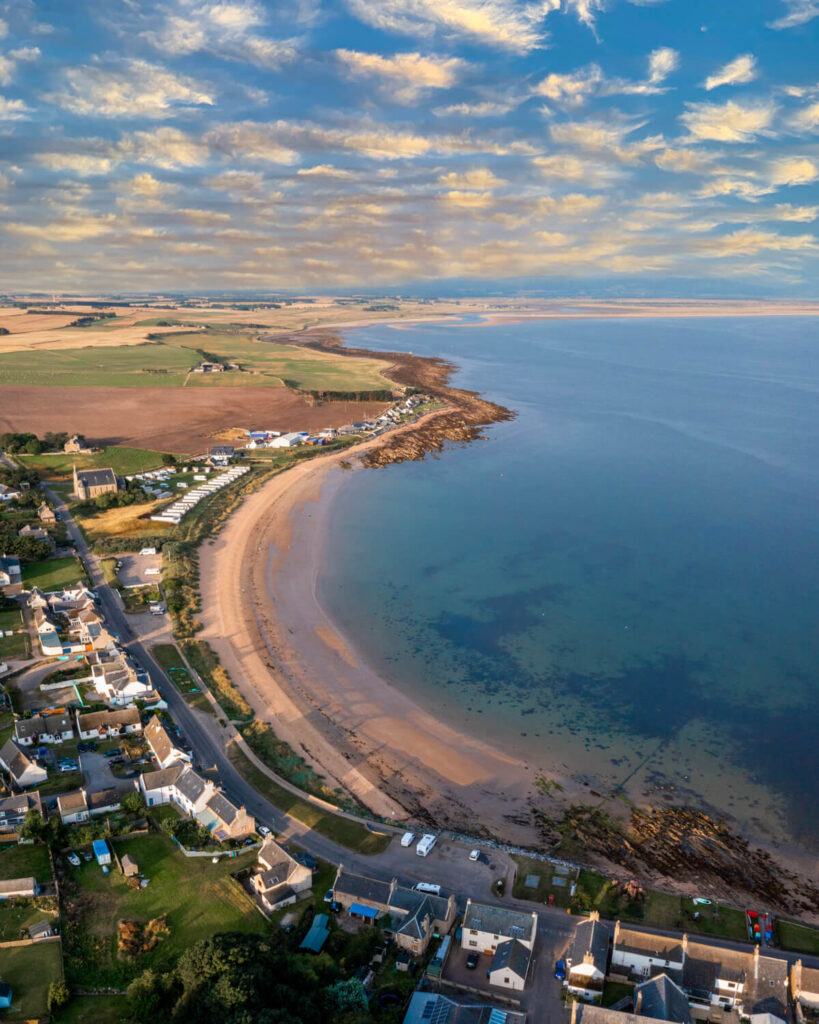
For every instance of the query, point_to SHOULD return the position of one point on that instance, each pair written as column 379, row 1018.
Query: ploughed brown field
column 180, row 420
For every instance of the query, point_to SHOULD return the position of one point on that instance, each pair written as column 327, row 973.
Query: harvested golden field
column 123, row 522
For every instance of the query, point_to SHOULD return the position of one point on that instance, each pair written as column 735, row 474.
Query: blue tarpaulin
column 317, row 935
column 362, row 911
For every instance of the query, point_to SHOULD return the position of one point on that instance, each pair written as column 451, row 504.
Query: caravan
column 425, row 844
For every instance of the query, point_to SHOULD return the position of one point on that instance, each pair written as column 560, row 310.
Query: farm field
column 123, row 461
column 197, row 897
column 53, row 573
column 126, row 521
column 30, row 970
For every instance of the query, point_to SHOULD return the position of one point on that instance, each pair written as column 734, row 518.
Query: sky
column 155, row 145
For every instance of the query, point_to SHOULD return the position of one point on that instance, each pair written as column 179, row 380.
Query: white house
column 510, row 965
column 73, row 807
column 643, row 953
column 279, row 877
column 23, row 770
column 162, row 747
column 55, row 728
column 587, row 959
column 96, row 725
column 198, row 797
column 10, row 572
column 120, row 681
column 286, row 441
column 485, row 927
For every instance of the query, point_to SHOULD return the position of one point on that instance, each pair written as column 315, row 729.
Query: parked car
column 263, row 831
column 113, row 753
column 472, row 961
column 475, row 855
column 328, row 896
column 560, row 970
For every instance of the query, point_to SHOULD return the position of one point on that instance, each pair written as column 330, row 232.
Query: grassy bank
column 214, row 676
column 341, row 830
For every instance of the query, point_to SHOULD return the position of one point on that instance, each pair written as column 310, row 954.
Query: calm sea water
column 625, row 578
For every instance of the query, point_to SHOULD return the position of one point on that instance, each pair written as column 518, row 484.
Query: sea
column 622, row 583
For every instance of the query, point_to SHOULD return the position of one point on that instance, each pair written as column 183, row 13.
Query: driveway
column 97, row 774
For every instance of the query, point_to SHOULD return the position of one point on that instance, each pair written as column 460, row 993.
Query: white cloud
column 798, row 13
column 482, row 108
column 4, row 29
column 237, row 182
column 573, row 205
column 144, row 191
column 684, row 161
column 796, row 214
column 807, row 119
column 406, row 74
column 469, row 200
column 661, row 63
column 225, row 30
column 80, row 163
column 749, row 241
column 793, row 170
column 139, row 89
column 74, row 226
column 9, row 62
column 586, row 9
column 504, row 24
column 165, row 147
column 475, row 178
column 204, row 218
column 572, row 88
column 728, row 122
column 324, row 171
column 12, row 110
column 736, row 72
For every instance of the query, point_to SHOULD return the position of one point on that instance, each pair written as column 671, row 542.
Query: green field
column 30, row 970
column 341, row 830
column 167, row 656
column 123, row 461
column 198, row 897
column 797, row 938
column 546, row 874
column 23, row 861
column 53, row 573
column 168, row 362
column 16, row 646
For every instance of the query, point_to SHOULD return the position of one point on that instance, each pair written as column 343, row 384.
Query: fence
column 215, row 853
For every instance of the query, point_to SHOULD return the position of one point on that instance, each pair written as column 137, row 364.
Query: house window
column 506, row 981
column 473, row 942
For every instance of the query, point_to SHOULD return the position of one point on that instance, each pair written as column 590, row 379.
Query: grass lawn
column 797, row 938
column 30, row 970
column 60, row 782
column 53, row 573
column 20, row 860
column 729, row 922
column 664, row 910
column 11, row 619
column 341, row 830
column 604, row 897
column 545, row 874
column 6, row 726
column 137, row 599
column 124, row 462
column 14, row 920
column 170, row 660
column 614, row 991
column 95, row 1010
column 198, row 897
column 17, row 646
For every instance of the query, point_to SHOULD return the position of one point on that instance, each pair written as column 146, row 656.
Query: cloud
column 684, row 161
column 407, row 74
column 469, row 200
column 573, row 205
column 237, row 182
column 324, row 171
column 481, row 108
column 798, row 13
column 165, row 147
column 793, row 170
column 204, row 218
column 572, row 88
column 661, row 63
column 807, row 119
column 74, row 226
column 144, row 191
column 138, row 89
column 13, row 110
column 80, row 163
column 501, row 24
column 9, row 62
column 749, row 241
column 223, row 30
column 476, row 178
column 586, row 9
column 736, row 72
column 728, row 122
column 796, row 214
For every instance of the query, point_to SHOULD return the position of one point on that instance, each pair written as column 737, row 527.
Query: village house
column 207, row 367
column 46, row 514
column 510, row 965
column 10, row 572
column 589, row 1013
column 73, row 807
column 661, row 998
column 13, row 810
column 18, row 888
column 162, row 747
column 9, row 494
column 197, row 797
column 23, row 770
column 714, row 978
column 412, row 918
column 95, row 725
column 44, row 622
column 88, row 627
column 45, row 728
column 805, row 986
column 91, row 483
column 641, row 954
column 279, row 878
column 485, row 927
column 77, row 445
column 120, row 681
column 426, row 1007
column 103, row 801
column 588, row 958
column 36, row 533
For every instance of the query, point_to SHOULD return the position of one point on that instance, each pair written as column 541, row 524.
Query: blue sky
column 187, row 145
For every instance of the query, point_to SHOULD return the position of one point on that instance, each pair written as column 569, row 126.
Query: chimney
column 594, row 915
column 684, row 946
column 616, row 937
column 796, row 980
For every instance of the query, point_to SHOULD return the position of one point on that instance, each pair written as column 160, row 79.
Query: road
column 449, row 865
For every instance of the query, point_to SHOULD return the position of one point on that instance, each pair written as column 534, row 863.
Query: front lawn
column 199, row 899
column 17, row 916
column 21, row 860
column 168, row 658
column 30, row 970
column 53, row 573
column 95, row 1010
column 797, row 938
column 17, row 646
column 545, row 874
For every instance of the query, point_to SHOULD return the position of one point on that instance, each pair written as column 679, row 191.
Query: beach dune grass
column 30, row 970
column 53, row 573
column 347, row 833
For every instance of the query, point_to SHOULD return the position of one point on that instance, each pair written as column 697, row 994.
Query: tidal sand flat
column 620, row 586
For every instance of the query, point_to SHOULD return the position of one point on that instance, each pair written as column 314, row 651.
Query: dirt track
column 180, row 420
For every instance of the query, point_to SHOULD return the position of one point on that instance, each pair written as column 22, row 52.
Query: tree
column 58, row 996
column 168, row 459
column 34, row 826
column 346, row 997
column 133, row 802
column 33, row 447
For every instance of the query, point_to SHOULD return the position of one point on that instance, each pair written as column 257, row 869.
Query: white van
column 407, row 839
column 430, row 887
column 425, row 844
column 148, row 551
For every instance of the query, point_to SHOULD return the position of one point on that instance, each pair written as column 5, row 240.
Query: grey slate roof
column 222, row 808
column 661, row 947
column 590, row 938
column 191, row 785
column 96, row 477
column 162, row 777
column 513, row 924
column 362, row 888
column 662, row 999
column 512, row 956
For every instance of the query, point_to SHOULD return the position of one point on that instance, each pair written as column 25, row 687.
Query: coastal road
column 448, row 865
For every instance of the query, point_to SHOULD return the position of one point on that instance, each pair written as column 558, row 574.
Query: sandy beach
column 261, row 614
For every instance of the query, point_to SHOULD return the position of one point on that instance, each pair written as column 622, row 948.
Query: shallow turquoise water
column 629, row 567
